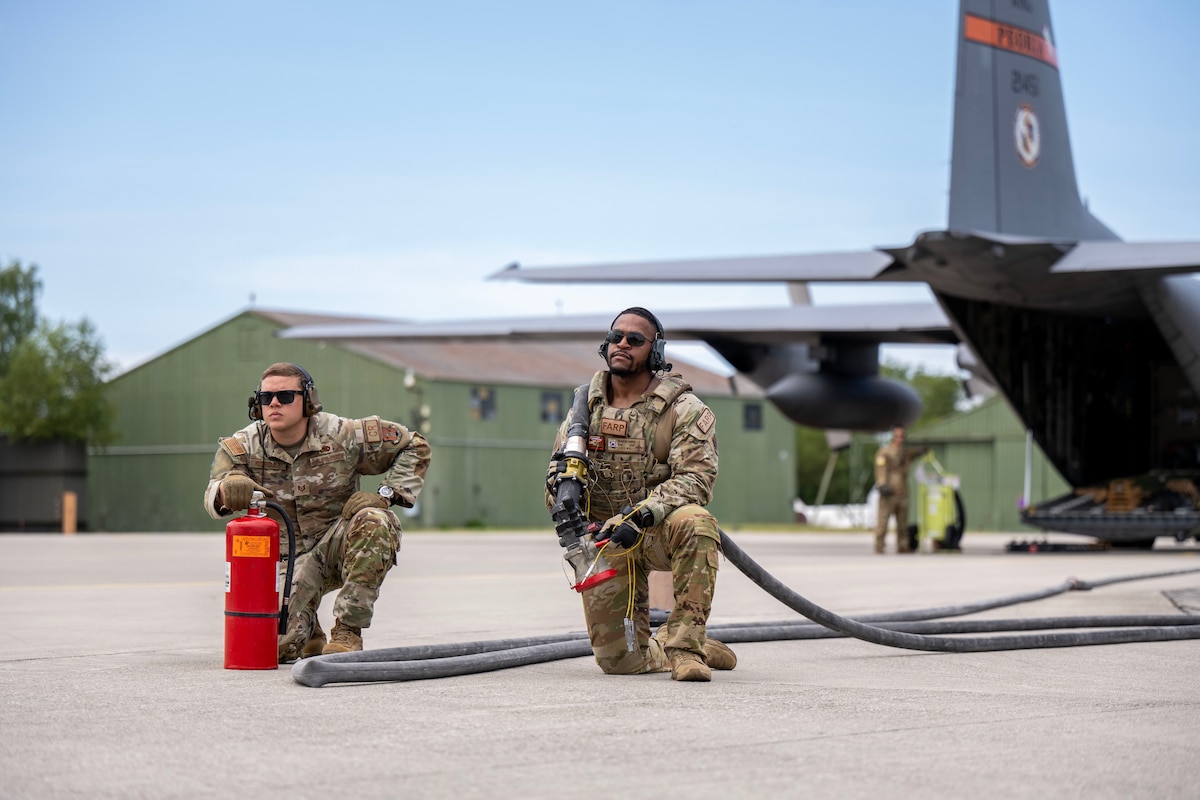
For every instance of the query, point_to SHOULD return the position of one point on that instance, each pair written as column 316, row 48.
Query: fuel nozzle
column 579, row 538
column 574, row 533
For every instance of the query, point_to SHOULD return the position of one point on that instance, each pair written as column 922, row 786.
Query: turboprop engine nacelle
column 850, row 403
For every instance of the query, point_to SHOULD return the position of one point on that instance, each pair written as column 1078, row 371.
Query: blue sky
column 162, row 163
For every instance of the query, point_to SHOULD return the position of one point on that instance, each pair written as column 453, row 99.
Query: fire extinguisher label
column 251, row 546
column 228, row 575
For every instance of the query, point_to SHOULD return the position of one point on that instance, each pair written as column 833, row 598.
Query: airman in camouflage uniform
column 652, row 445
column 892, row 462
column 309, row 462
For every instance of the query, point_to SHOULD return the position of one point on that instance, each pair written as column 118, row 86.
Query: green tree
column 51, row 376
column 19, row 289
column 940, row 394
column 812, row 456
column 852, row 475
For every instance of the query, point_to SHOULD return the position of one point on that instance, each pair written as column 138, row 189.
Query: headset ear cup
column 312, row 402
column 658, row 355
column 603, row 351
column 255, row 411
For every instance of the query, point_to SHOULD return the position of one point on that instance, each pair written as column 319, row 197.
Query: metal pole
column 1028, row 469
column 826, row 477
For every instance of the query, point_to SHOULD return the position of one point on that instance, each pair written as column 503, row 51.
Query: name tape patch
column 626, row 445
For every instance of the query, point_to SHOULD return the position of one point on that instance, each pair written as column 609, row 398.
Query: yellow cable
column 631, row 566
column 630, row 569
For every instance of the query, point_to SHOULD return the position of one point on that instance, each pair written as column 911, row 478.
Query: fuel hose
column 920, row 629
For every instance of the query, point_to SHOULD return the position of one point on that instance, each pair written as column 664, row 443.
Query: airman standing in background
column 892, row 463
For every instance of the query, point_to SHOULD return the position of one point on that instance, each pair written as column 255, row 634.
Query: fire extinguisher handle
column 287, row 582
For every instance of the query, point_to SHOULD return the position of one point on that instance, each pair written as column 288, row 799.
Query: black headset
column 312, row 403
column 658, row 347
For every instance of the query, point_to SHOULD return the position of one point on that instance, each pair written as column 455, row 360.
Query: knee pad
column 698, row 520
column 370, row 523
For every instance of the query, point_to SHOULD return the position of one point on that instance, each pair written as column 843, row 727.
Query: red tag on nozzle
column 592, row 580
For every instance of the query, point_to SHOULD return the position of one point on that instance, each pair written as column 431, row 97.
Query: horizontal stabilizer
column 1122, row 256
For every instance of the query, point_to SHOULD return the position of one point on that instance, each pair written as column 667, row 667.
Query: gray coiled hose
column 912, row 630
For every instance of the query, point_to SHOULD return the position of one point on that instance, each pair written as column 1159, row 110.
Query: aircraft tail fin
column 1011, row 169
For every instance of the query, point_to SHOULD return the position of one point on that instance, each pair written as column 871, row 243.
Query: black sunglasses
column 634, row 338
column 286, row 396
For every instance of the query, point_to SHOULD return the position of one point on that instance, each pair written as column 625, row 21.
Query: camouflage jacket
column 628, row 466
column 315, row 485
column 891, row 466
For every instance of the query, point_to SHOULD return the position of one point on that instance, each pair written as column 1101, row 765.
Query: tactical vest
column 628, row 455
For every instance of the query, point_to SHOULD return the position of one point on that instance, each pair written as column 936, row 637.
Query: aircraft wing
column 846, row 266
column 909, row 323
column 889, row 264
column 571, row 328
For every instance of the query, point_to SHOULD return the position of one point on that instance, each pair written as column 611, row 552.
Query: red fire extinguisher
column 253, row 615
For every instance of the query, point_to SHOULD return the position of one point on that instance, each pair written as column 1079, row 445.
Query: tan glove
column 236, row 491
column 360, row 500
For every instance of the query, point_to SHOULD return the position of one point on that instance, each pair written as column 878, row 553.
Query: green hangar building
column 489, row 410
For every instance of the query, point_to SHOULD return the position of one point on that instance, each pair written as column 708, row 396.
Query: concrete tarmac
column 112, row 683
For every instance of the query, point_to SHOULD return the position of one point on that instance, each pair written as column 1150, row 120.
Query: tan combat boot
column 718, row 655
column 316, row 642
column 687, row 666
column 344, row 639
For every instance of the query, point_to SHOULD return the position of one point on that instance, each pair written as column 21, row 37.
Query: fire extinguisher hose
column 920, row 629
column 291, row 562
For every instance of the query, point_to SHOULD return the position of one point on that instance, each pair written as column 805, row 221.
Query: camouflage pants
column 353, row 556
column 887, row 507
column 688, row 544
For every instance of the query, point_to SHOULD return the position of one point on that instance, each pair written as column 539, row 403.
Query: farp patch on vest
column 613, row 427
column 706, row 421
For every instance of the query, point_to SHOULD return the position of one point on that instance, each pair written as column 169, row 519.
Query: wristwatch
column 389, row 494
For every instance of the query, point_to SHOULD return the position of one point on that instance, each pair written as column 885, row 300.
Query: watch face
column 386, row 491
